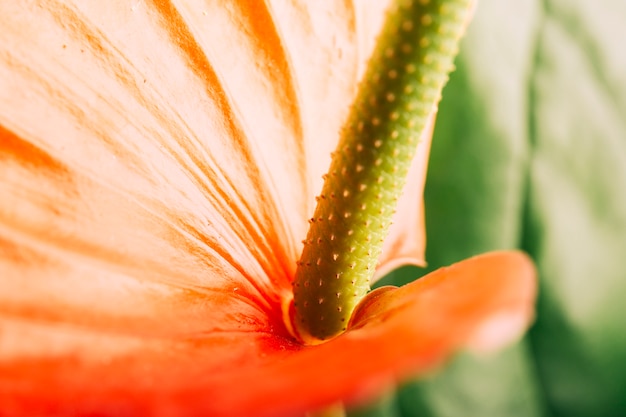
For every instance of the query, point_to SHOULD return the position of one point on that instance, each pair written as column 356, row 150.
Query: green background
column 530, row 152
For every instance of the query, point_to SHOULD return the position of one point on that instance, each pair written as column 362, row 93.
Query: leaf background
column 530, row 152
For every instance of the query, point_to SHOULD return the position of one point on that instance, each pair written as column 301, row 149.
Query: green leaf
column 577, row 206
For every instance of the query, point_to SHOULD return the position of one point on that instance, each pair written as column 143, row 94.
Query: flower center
column 398, row 96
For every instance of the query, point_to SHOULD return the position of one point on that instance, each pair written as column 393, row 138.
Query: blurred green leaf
column 577, row 206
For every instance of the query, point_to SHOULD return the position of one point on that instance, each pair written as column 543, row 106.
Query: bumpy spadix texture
column 401, row 89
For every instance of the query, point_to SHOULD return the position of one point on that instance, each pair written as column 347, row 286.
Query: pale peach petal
column 144, row 153
column 136, row 145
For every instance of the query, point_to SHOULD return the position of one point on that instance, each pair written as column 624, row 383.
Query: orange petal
column 403, row 331
column 483, row 302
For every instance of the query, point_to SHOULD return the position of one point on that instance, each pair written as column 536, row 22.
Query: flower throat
column 400, row 92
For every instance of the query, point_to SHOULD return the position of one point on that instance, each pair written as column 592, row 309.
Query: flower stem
column 401, row 90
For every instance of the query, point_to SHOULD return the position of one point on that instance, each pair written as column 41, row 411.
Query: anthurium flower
column 159, row 162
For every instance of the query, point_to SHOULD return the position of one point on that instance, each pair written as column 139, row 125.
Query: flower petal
column 144, row 102
column 173, row 143
column 116, row 167
column 403, row 331
column 494, row 293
